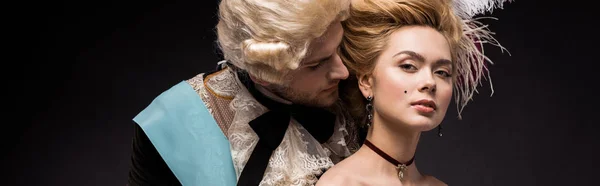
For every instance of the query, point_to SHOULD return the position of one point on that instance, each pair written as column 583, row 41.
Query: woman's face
column 411, row 83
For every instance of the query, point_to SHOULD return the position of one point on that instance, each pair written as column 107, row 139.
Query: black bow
column 271, row 126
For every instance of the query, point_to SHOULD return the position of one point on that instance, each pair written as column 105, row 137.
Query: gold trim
column 212, row 91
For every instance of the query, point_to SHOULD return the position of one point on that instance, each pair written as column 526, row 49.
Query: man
column 266, row 116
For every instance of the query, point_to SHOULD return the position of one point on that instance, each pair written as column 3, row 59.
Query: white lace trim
column 221, row 85
column 197, row 83
column 298, row 160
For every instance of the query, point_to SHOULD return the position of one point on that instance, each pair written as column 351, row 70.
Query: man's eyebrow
column 317, row 60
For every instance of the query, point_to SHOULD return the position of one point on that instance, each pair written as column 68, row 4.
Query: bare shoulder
column 433, row 181
column 333, row 176
column 340, row 174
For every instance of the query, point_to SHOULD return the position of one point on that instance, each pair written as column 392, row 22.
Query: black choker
column 401, row 167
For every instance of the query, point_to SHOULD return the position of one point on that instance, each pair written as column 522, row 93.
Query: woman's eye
column 408, row 67
column 444, row 73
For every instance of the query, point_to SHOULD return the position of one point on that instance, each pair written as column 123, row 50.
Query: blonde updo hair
column 268, row 38
column 371, row 22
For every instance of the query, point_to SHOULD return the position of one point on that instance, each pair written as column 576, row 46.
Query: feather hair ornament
column 470, row 56
column 470, row 8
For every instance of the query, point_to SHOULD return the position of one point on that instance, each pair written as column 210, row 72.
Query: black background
column 83, row 70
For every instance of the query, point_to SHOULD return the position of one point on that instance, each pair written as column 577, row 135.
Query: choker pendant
column 400, row 167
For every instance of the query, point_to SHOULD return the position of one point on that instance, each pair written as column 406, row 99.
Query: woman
column 407, row 57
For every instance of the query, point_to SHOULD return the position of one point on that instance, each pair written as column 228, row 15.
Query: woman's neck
column 398, row 142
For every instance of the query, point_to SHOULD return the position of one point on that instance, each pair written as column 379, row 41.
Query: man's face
column 315, row 82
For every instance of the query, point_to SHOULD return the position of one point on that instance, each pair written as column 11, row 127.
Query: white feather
column 468, row 8
column 472, row 60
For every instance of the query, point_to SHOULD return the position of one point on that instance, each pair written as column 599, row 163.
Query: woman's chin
column 422, row 124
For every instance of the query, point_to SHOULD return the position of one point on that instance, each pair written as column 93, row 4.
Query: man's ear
column 258, row 81
column 365, row 84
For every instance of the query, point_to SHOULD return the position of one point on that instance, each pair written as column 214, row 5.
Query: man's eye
column 314, row 67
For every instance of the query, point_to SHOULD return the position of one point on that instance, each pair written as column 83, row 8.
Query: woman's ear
column 365, row 84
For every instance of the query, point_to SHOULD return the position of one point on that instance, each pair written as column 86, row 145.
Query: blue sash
column 187, row 137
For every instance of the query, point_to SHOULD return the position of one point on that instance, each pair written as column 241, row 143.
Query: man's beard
column 302, row 98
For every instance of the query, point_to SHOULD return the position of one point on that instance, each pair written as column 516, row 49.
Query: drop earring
column 369, row 109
